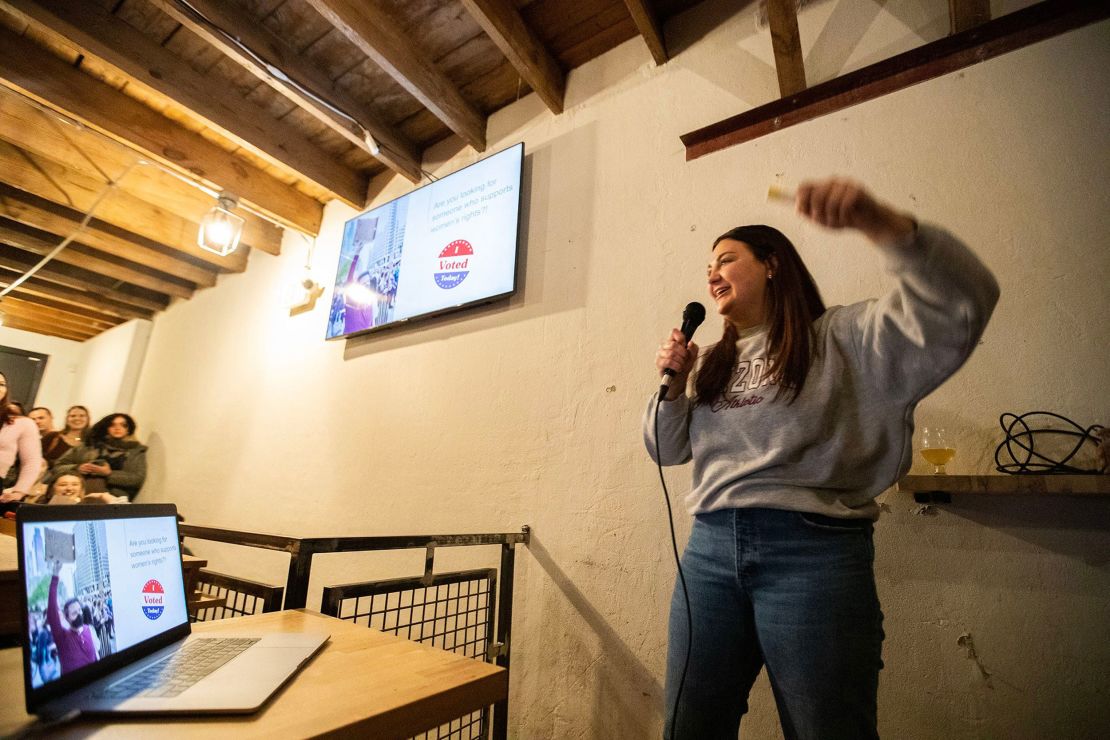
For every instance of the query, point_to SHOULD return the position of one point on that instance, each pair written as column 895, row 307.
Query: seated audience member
column 77, row 425
column 54, row 444
column 69, row 488
column 19, row 442
column 110, row 459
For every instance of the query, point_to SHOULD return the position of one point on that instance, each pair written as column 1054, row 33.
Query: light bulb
column 220, row 229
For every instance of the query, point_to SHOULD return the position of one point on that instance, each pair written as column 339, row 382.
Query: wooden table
column 364, row 683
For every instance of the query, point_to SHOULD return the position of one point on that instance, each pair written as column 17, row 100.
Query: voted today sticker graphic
column 454, row 264
column 153, row 599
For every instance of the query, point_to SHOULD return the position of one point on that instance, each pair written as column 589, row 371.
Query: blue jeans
column 794, row 592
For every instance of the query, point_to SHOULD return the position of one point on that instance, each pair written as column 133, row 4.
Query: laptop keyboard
column 177, row 672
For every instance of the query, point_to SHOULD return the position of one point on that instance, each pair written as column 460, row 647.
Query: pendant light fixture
column 220, row 229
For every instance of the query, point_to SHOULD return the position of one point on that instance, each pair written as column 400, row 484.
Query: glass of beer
column 935, row 448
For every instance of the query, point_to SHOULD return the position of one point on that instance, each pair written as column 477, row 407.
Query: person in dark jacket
column 110, row 460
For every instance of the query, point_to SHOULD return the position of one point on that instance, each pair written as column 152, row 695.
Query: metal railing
column 239, row 597
column 302, row 549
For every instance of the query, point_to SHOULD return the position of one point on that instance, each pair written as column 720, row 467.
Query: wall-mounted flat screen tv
column 445, row 246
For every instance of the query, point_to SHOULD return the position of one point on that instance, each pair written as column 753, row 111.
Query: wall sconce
column 306, row 291
column 220, row 229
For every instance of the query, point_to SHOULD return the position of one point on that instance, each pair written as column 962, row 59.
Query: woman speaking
column 795, row 421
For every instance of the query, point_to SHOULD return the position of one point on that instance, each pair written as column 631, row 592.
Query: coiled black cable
column 1027, row 460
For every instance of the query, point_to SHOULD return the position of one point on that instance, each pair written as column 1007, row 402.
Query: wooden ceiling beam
column 46, row 215
column 1004, row 34
column 72, row 277
column 647, row 23
column 370, row 27
column 782, row 17
column 503, row 23
column 78, row 255
column 97, row 33
column 37, row 327
column 392, row 147
column 94, row 301
column 35, row 72
column 965, row 14
column 12, row 306
column 52, row 181
column 94, row 155
column 91, row 315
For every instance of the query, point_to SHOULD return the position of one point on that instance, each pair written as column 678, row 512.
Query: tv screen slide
column 446, row 245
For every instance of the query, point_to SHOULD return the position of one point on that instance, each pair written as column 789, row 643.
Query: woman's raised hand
column 845, row 204
column 677, row 355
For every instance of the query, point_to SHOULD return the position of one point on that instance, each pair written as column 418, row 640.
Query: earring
column 770, row 276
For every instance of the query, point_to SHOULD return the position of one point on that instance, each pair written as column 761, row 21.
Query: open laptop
column 106, row 628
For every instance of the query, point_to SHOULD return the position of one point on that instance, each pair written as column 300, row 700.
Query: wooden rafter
column 993, row 38
column 76, row 298
column 90, row 315
column 392, row 147
column 647, row 23
column 966, row 14
column 19, row 262
column 31, row 311
column 45, row 215
column 377, row 34
column 18, row 321
column 78, row 255
column 94, row 155
column 98, row 34
column 782, row 17
column 31, row 70
column 503, row 23
column 46, row 179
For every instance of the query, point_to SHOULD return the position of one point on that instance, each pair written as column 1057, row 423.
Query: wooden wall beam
column 371, row 28
column 81, row 256
column 647, row 23
column 503, row 23
column 33, row 71
column 393, row 148
column 782, row 17
column 98, row 34
column 40, row 213
column 966, row 14
column 94, row 155
column 46, row 179
column 1006, row 33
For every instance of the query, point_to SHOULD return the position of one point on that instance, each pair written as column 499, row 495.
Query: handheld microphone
column 692, row 317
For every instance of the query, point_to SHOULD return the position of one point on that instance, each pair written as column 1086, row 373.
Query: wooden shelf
column 939, row 488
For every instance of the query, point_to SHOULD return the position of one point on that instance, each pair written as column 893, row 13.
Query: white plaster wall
column 528, row 411
column 62, row 368
column 110, row 368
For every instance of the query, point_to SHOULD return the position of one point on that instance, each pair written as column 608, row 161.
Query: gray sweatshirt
column 847, row 437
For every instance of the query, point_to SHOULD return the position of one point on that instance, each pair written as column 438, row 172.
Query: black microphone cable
column 681, row 576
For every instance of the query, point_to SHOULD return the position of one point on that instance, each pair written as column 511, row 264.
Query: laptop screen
column 97, row 586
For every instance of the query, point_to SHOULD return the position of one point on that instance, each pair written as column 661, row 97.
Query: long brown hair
column 793, row 304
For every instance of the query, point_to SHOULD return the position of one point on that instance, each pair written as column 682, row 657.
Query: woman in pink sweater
column 19, row 439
